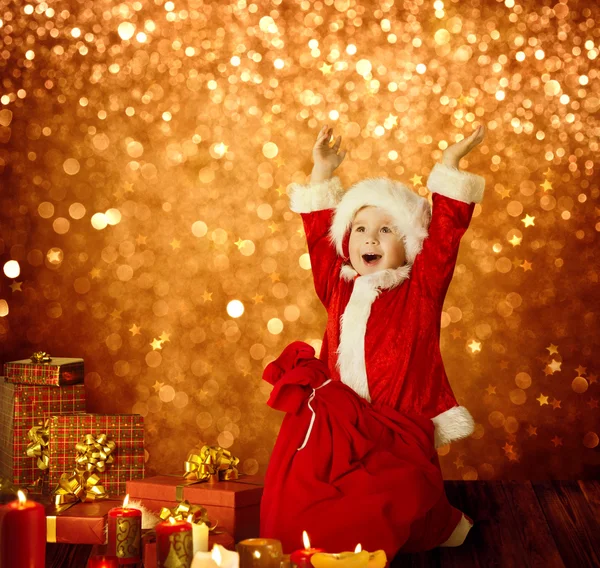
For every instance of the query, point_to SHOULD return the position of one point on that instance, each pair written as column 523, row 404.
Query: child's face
column 375, row 243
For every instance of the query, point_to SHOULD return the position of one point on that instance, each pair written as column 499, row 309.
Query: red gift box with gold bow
column 21, row 408
column 232, row 500
column 41, row 369
column 102, row 449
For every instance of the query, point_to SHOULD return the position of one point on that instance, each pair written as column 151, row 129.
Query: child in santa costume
column 355, row 460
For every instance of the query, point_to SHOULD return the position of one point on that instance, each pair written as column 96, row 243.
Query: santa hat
column 410, row 212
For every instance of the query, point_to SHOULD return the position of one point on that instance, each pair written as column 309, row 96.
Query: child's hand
column 327, row 158
column 452, row 155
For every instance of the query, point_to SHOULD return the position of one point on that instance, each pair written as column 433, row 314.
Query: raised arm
column 454, row 195
column 316, row 203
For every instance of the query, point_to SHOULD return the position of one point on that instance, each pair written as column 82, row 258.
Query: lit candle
column 199, row 536
column 358, row 559
column 125, row 533
column 174, row 544
column 22, row 534
column 103, row 562
column 302, row 557
column 219, row 557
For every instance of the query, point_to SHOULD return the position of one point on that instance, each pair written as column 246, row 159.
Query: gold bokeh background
column 145, row 150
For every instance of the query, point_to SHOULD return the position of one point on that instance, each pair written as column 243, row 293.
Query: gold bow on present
column 38, row 445
column 94, row 454
column 183, row 510
column 84, row 487
column 212, row 463
column 41, row 357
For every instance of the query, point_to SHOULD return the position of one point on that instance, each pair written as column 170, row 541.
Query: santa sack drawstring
column 314, row 415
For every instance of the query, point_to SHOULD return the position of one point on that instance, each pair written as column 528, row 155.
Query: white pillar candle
column 200, row 535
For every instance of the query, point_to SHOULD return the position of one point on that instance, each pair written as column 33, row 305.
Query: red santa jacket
column 383, row 329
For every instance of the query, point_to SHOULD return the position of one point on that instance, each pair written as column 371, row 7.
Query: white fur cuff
column 453, row 424
column 457, row 184
column 315, row 196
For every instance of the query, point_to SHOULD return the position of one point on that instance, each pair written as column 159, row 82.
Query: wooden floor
column 547, row 524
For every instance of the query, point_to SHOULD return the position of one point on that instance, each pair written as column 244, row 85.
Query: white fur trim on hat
column 315, row 196
column 411, row 212
column 457, row 184
column 453, row 424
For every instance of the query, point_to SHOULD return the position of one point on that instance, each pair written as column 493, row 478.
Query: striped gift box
column 21, row 408
column 126, row 430
column 57, row 372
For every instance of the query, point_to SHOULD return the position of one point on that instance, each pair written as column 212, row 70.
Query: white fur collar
column 384, row 279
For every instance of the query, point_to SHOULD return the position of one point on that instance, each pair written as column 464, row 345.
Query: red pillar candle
column 174, row 544
column 302, row 557
column 22, row 534
column 103, row 562
column 125, row 533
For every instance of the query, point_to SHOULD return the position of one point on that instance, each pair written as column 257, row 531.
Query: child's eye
column 360, row 229
column 386, row 229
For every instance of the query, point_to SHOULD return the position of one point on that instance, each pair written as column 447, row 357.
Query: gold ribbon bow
column 183, row 510
column 94, row 454
column 41, row 357
column 38, row 445
column 212, row 463
column 84, row 487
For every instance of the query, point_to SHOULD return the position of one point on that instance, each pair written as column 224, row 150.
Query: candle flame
column 257, row 554
column 216, row 555
column 305, row 540
column 358, row 548
column 126, row 501
column 172, row 520
column 189, row 519
column 22, row 497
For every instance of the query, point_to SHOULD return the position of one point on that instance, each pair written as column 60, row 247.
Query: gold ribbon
column 38, row 445
column 183, row 510
column 94, row 454
column 51, row 529
column 212, row 463
column 84, row 487
column 40, row 357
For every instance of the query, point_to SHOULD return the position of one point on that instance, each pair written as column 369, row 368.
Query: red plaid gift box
column 58, row 371
column 21, row 408
column 65, row 431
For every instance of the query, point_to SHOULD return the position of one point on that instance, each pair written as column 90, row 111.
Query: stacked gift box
column 77, row 463
column 81, row 465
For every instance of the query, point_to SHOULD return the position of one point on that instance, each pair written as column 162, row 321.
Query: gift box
column 149, row 545
column 59, row 371
column 124, row 463
column 234, row 505
column 21, row 408
column 82, row 523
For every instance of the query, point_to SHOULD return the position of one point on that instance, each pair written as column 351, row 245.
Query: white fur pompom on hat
column 411, row 212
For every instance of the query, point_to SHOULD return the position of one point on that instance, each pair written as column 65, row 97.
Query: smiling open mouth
column 371, row 258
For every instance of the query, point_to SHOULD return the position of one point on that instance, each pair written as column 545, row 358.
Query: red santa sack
column 364, row 474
